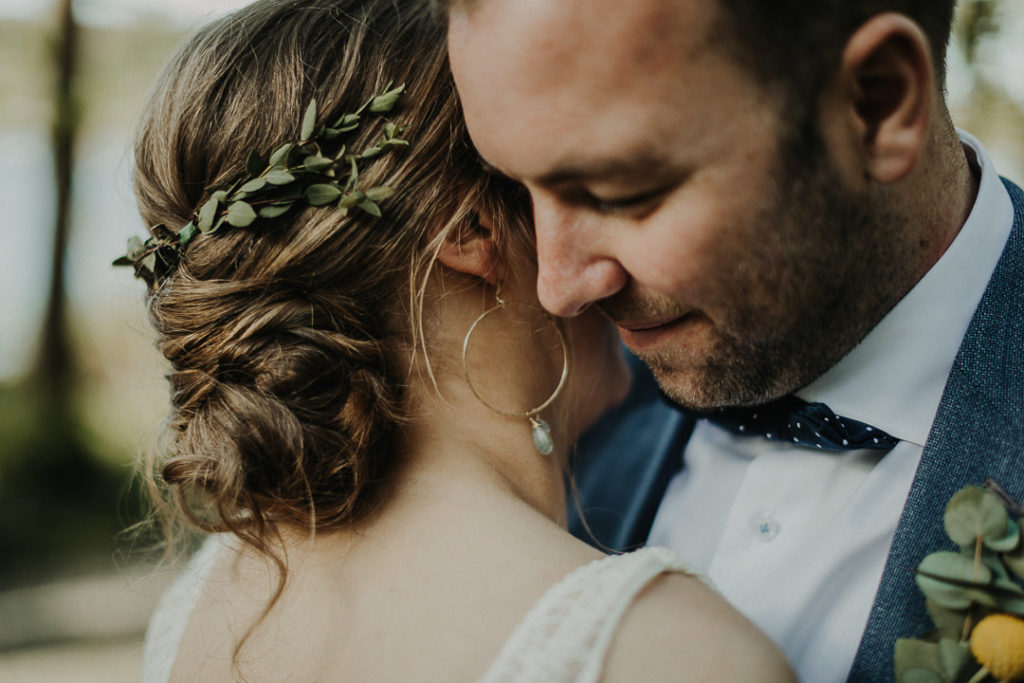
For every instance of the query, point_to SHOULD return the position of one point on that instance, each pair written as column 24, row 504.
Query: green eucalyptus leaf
column 280, row 177
column 1014, row 561
column 351, row 200
column 220, row 195
column 241, row 214
column 280, row 155
column 218, row 223
column 347, row 120
column 1002, row 582
column 953, row 657
column 982, row 596
column 135, row 247
column 149, row 262
column 994, row 562
column 380, row 193
column 371, row 152
column 330, row 133
column 275, row 210
column 186, row 234
column 321, row 194
column 255, row 164
column 207, row 214
column 353, row 173
column 254, row 185
column 974, row 512
column 348, row 128
column 386, row 101
column 954, row 581
column 1009, row 541
column 309, row 121
column 943, row 593
column 390, row 130
column 1010, row 603
column 370, row 207
column 955, row 567
column 911, row 653
column 317, row 163
column 395, row 142
column 949, row 623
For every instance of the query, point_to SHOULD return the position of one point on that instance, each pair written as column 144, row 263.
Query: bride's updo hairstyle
column 289, row 341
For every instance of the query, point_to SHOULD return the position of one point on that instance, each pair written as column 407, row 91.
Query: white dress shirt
column 797, row 538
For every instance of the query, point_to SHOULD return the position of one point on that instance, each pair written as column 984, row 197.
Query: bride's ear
column 473, row 252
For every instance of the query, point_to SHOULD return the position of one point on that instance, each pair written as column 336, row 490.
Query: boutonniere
column 974, row 596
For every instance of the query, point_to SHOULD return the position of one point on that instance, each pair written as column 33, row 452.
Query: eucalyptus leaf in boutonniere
column 974, row 596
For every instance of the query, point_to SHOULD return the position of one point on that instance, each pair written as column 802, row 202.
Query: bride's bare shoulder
column 679, row 628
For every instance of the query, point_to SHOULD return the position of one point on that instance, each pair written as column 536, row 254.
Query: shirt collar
column 895, row 377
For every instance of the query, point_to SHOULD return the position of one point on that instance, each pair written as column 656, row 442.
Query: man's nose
column 576, row 265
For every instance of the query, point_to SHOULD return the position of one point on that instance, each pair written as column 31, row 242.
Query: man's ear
column 473, row 252
column 889, row 85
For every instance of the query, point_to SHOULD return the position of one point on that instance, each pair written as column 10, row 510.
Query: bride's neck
column 458, row 440
column 515, row 364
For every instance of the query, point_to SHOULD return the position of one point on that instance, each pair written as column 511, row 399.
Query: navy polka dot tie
column 806, row 424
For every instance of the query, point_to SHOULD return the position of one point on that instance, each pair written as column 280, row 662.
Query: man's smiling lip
column 645, row 335
column 645, row 325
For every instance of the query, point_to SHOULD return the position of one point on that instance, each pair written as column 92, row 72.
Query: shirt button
column 765, row 527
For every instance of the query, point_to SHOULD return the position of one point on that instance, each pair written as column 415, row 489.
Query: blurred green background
column 81, row 387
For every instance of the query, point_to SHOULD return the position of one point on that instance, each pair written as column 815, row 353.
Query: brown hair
column 285, row 339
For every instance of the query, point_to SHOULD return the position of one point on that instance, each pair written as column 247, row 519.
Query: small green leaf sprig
column 962, row 588
column 296, row 172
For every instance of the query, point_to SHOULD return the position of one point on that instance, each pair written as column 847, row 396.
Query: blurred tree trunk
column 54, row 366
column 977, row 20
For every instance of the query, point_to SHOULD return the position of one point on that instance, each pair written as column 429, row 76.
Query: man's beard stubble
column 834, row 266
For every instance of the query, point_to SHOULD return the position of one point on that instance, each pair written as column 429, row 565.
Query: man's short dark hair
column 797, row 44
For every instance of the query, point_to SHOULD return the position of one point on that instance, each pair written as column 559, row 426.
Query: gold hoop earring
column 542, row 439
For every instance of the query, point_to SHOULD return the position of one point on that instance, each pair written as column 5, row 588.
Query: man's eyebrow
column 598, row 169
column 574, row 171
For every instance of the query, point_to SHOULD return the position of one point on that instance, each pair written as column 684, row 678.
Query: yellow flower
column 998, row 644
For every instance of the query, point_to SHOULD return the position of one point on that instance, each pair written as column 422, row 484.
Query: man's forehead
column 532, row 70
column 577, row 32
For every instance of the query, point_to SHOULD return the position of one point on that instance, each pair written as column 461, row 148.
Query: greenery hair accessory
column 317, row 170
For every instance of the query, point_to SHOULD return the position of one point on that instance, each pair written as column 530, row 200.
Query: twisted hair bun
column 288, row 341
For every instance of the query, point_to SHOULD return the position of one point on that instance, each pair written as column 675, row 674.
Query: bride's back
column 411, row 604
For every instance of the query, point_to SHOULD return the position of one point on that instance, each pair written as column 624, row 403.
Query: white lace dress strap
column 170, row 618
column 566, row 634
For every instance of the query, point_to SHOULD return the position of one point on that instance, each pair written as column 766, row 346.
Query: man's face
column 669, row 191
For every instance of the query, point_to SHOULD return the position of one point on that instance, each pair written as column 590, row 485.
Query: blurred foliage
column 976, row 19
column 59, row 503
column 66, row 489
column 117, row 68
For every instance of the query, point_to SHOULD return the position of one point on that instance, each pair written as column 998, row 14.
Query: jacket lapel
column 978, row 433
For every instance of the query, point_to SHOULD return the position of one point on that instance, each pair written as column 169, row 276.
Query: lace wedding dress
column 562, row 639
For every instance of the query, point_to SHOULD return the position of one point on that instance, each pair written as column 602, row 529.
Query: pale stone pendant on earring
column 542, row 436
